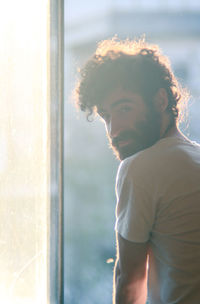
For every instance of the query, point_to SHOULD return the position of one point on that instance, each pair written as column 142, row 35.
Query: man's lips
column 122, row 143
column 124, row 139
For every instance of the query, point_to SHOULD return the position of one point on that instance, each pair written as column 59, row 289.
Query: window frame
column 56, row 217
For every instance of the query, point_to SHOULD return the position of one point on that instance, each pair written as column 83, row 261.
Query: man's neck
column 174, row 131
column 169, row 127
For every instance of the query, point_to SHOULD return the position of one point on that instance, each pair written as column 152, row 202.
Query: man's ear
column 161, row 100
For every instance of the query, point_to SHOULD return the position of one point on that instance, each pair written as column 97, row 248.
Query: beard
column 144, row 134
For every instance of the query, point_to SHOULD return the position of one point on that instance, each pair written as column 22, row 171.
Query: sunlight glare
column 24, row 165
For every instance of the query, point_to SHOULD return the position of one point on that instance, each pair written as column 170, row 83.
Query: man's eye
column 125, row 109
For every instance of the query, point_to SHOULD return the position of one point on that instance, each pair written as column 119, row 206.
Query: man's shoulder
column 136, row 166
column 143, row 159
column 159, row 157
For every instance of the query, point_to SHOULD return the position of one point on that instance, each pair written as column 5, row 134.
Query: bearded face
column 132, row 124
column 144, row 134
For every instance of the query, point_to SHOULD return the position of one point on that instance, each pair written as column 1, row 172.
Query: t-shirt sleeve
column 135, row 211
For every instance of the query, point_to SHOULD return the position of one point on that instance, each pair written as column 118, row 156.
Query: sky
column 78, row 10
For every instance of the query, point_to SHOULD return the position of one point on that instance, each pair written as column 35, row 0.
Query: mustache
column 123, row 136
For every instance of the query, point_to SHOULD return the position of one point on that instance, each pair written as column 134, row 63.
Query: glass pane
column 24, row 161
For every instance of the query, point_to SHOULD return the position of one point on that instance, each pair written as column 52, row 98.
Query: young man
column 131, row 86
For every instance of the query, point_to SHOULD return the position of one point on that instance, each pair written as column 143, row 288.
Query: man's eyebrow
column 121, row 101
column 115, row 104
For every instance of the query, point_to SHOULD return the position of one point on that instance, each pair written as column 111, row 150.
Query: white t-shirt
column 158, row 200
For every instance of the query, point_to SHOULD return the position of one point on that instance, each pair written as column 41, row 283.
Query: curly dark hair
column 133, row 65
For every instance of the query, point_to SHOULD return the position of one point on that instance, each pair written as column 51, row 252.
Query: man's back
column 166, row 183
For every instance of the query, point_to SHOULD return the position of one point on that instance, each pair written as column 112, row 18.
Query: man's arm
column 130, row 275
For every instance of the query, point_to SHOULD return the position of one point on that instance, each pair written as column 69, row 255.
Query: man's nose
column 113, row 128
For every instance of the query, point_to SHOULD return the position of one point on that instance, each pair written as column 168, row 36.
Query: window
column 31, row 151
